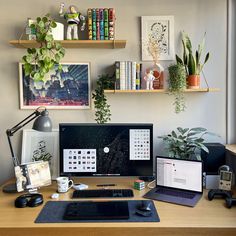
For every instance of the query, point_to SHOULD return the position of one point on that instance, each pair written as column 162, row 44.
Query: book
column 122, row 75
column 101, row 19
column 106, row 35
column 133, row 75
column 138, row 72
column 117, row 73
column 111, row 19
column 94, row 25
column 90, row 29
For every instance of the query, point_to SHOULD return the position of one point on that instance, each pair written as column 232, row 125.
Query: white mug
column 64, row 184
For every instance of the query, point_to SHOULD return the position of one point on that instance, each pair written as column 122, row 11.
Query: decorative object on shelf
column 39, row 61
column 73, row 18
column 192, row 63
column 102, row 108
column 185, row 143
column 67, row 87
column 149, row 78
column 37, row 146
column 42, row 123
column 161, row 30
column 177, row 85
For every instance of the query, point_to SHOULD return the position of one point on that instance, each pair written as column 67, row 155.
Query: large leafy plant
column 186, row 143
column 102, row 108
column 39, row 61
column 192, row 61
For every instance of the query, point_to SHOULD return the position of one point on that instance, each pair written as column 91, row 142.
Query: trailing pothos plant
column 39, row 61
column 186, row 143
column 102, row 108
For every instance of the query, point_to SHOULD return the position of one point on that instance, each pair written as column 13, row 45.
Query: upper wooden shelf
column 162, row 90
column 110, row 44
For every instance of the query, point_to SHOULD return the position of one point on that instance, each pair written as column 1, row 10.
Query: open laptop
column 177, row 181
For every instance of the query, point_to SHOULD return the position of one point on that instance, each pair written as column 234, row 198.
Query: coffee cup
column 64, row 184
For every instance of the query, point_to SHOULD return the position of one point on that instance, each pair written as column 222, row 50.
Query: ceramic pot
column 193, row 81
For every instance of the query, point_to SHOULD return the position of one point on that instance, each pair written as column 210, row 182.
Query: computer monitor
column 106, row 149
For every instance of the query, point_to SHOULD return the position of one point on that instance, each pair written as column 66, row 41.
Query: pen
column 105, row 185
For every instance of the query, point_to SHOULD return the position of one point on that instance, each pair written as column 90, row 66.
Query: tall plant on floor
column 39, row 61
column 177, row 85
column 102, row 108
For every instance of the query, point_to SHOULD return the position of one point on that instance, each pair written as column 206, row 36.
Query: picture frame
column 161, row 30
column 65, row 89
column 41, row 146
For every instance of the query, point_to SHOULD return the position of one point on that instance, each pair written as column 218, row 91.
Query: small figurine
column 73, row 18
column 149, row 78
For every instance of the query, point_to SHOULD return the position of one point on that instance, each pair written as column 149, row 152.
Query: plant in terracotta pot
column 177, row 85
column 192, row 61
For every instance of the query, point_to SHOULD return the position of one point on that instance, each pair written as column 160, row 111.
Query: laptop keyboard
column 175, row 193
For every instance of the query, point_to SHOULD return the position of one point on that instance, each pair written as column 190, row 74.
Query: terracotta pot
column 193, row 81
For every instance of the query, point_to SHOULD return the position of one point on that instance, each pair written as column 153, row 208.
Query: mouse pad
column 53, row 212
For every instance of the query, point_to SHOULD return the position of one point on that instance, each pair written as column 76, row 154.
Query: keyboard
column 175, row 193
column 103, row 193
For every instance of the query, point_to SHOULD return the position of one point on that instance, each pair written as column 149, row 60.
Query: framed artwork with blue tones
column 68, row 88
column 159, row 30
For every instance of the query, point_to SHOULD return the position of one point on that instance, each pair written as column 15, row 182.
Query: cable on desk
column 150, row 185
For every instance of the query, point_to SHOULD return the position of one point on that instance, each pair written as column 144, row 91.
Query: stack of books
column 128, row 75
column 101, row 23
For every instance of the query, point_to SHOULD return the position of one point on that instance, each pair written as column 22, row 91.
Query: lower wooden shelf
column 163, row 90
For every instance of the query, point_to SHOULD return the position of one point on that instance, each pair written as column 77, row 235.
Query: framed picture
column 38, row 146
column 160, row 31
column 68, row 88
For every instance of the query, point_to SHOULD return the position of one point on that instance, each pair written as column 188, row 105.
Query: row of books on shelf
column 128, row 75
column 101, row 23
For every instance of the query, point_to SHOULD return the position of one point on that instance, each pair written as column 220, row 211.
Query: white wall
column 194, row 16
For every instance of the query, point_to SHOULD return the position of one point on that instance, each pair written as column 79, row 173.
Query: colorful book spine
column 97, row 24
column 101, row 18
column 106, row 34
column 90, row 29
column 138, row 72
column 111, row 19
column 117, row 73
column 94, row 24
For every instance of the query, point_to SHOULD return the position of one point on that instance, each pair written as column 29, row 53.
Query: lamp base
column 10, row 188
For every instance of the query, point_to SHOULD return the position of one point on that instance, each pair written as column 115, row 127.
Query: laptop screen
column 178, row 173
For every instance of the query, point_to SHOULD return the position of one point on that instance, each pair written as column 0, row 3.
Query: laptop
column 177, row 181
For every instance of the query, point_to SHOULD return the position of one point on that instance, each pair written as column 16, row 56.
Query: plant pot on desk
column 193, row 81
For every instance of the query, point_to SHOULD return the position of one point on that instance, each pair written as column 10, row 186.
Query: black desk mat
column 53, row 212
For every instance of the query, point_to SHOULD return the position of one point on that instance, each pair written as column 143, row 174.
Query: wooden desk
column 207, row 218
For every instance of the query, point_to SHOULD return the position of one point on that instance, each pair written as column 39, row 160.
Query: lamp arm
column 21, row 124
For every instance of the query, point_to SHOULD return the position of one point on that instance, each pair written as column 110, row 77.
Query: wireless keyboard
column 103, row 193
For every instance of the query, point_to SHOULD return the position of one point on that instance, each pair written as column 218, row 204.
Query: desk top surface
column 206, row 214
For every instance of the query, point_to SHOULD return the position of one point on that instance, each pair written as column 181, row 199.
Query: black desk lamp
column 42, row 123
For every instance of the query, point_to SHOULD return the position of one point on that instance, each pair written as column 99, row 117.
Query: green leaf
column 41, row 24
column 207, row 57
column 179, row 60
column 191, row 65
column 54, row 24
column 198, row 129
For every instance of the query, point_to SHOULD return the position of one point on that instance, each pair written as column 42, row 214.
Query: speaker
column 30, row 200
column 214, row 159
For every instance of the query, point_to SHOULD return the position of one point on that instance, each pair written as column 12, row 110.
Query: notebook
column 177, row 181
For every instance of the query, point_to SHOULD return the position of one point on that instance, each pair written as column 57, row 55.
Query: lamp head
column 42, row 123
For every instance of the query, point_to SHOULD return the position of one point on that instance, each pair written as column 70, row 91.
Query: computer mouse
column 144, row 209
column 145, row 206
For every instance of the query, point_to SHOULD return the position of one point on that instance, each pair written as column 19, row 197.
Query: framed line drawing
column 65, row 89
column 38, row 146
column 158, row 29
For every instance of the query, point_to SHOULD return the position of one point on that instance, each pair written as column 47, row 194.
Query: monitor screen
column 106, row 149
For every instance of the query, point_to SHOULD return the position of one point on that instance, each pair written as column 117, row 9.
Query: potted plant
column 186, row 143
column 177, row 84
column 192, row 62
column 39, row 61
column 102, row 108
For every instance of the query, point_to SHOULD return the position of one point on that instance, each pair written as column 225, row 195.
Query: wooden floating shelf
column 162, row 90
column 109, row 44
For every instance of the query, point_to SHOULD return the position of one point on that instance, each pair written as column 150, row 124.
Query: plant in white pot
column 192, row 61
column 185, row 143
